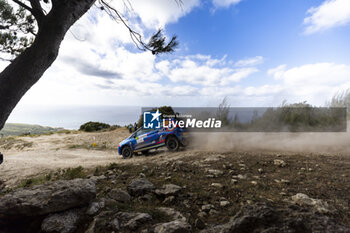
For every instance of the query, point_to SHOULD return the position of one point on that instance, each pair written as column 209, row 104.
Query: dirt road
column 27, row 156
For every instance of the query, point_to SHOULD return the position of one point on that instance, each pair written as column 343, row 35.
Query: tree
column 30, row 37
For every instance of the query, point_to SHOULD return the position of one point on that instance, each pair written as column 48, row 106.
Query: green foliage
column 222, row 112
column 341, row 99
column 73, row 173
column 17, row 29
column 164, row 110
column 157, row 43
column 93, row 126
column 296, row 117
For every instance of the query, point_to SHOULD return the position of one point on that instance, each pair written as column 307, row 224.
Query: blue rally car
column 144, row 140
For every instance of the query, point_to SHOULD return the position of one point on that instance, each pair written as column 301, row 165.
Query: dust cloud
column 321, row 143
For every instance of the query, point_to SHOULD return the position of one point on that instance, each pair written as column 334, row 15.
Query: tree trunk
column 17, row 78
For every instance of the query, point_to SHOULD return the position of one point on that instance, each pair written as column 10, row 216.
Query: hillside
column 221, row 182
column 14, row 129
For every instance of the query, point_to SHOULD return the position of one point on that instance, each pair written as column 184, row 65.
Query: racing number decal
column 140, row 139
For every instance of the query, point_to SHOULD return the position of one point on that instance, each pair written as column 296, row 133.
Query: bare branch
column 37, row 11
column 4, row 27
column 21, row 4
column 157, row 42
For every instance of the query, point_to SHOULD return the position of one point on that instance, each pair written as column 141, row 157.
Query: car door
column 143, row 138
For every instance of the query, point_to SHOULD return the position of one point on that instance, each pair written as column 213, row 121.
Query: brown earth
column 238, row 168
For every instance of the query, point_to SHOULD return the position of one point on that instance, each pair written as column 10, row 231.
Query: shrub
column 93, row 126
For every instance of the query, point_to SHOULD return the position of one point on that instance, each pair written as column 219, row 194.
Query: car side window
column 143, row 131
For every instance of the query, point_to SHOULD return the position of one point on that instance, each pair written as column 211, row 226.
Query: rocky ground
column 202, row 192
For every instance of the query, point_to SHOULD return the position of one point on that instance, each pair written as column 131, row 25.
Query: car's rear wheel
column 127, row 152
column 172, row 144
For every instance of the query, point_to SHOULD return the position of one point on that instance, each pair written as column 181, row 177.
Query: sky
column 256, row 52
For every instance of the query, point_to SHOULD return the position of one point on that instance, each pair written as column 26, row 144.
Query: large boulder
column 119, row 195
column 140, row 186
column 48, row 198
column 261, row 217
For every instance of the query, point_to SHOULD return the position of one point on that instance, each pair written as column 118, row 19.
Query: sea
column 71, row 117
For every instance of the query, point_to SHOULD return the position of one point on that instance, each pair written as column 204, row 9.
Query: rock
column 207, row 207
column 119, row 195
column 173, row 227
column 146, row 197
column 246, row 220
column 95, row 207
column 285, row 181
column 279, row 162
column 48, row 198
column 216, row 185
column 224, row 203
column 199, row 224
column 140, row 186
column 142, row 175
column 169, row 200
column 305, row 200
column 64, row 222
column 240, row 176
column 137, row 220
column 98, row 178
column 213, row 212
column 172, row 213
column 215, row 172
column 262, row 218
column 202, row 214
column 260, row 170
column 168, row 190
column 234, row 181
column 115, row 224
column 254, row 182
column 214, row 158
column 110, row 202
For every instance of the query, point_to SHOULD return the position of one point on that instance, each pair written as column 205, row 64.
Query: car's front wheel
column 127, row 152
column 172, row 144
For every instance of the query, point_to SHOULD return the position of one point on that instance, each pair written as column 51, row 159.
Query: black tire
column 127, row 152
column 172, row 143
column 1, row 158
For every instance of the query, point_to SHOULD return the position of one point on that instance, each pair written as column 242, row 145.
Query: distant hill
column 14, row 129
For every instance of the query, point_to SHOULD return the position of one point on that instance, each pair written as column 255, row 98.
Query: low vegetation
column 8, row 143
column 12, row 129
column 61, row 174
column 93, row 126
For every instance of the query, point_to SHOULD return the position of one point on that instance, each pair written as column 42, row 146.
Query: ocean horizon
column 71, row 117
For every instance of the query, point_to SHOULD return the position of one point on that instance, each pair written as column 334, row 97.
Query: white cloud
column 157, row 13
column 315, row 83
column 277, row 72
column 316, row 74
column 250, row 61
column 205, row 71
column 225, row 3
column 331, row 13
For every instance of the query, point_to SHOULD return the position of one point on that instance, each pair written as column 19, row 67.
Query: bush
column 93, row 126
